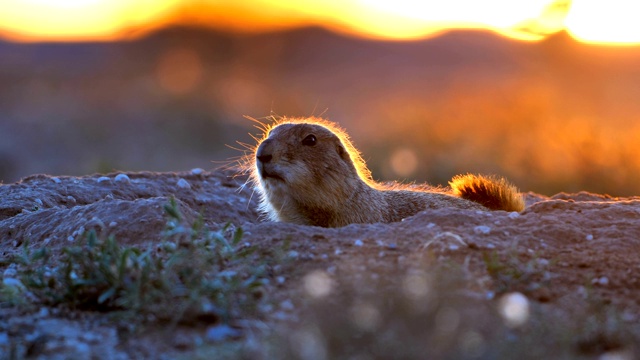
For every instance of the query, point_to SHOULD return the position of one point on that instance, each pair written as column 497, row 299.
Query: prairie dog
column 308, row 172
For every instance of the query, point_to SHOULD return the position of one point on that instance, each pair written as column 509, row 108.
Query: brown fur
column 326, row 182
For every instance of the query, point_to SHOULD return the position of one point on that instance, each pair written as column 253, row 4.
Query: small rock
column 113, row 224
column 56, row 180
column 482, row 229
column 10, row 273
column 293, row 254
column 221, row 333
column 601, row 281
column 184, row 184
column 589, row 237
column 4, row 339
column 358, row 243
column 337, row 252
column 44, row 312
column 287, row 305
column 430, row 225
column 102, row 179
column 197, row 171
column 13, row 283
column 122, row 178
column 280, row 279
column 514, row 214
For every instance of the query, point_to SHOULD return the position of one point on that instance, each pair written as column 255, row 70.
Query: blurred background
column 546, row 93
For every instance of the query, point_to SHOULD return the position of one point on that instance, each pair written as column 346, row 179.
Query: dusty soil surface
column 561, row 253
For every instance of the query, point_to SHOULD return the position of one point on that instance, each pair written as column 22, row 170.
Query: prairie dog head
column 303, row 165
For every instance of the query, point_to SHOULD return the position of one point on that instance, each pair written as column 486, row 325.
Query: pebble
column 197, row 171
column 338, row 252
column 221, row 332
column 122, row 178
column 44, row 312
column 482, row 229
column 184, row 184
column 514, row 214
column 10, row 273
column 113, row 224
column 601, row 281
column 4, row 339
column 358, row 243
column 543, row 262
column 280, row 279
column 589, row 237
column 14, row 283
column 293, row 254
column 102, row 179
column 56, row 180
column 287, row 305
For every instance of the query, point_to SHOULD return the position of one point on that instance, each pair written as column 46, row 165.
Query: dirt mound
column 560, row 252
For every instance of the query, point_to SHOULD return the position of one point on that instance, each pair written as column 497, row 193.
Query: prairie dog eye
column 310, row 140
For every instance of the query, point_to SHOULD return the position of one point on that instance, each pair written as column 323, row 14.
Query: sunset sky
column 604, row 22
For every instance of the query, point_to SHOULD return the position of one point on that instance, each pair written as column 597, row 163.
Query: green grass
column 192, row 273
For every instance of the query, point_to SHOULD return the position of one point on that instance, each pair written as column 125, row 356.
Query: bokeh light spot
column 404, row 162
column 416, row 286
column 179, row 71
column 514, row 308
column 318, row 284
column 309, row 344
column 365, row 316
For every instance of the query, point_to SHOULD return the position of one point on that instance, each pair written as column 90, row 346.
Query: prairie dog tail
column 494, row 193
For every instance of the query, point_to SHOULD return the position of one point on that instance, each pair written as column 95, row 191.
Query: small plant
column 193, row 273
column 510, row 273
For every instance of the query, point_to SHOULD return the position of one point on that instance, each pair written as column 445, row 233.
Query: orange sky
column 610, row 22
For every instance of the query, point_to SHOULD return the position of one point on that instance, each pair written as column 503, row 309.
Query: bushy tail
column 494, row 193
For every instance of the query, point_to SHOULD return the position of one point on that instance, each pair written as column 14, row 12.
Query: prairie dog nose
column 263, row 154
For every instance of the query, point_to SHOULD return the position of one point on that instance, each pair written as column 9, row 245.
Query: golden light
column 610, row 22
column 62, row 20
column 613, row 22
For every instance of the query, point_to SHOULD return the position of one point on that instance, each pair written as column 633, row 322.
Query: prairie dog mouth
column 268, row 173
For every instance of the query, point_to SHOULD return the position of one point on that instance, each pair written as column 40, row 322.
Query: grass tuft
column 194, row 273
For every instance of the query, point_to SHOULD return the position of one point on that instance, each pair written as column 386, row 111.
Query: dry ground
column 431, row 286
